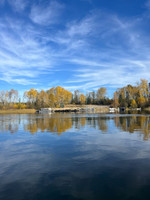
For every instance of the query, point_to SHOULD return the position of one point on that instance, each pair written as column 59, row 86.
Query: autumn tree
column 134, row 96
column 133, row 104
column 42, row 99
column 59, row 96
column 82, row 99
column 31, row 97
column 115, row 100
column 52, row 101
column 143, row 92
column 101, row 92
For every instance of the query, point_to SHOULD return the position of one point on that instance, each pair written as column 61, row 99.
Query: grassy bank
column 18, row 111
column 147, row 109
column 95, row 108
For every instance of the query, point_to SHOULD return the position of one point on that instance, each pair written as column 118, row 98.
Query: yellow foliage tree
column 59, row 96
column 133, row 104
column 31, row 95
column 82, row 99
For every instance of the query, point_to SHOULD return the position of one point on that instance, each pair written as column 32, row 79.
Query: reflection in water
column 59, row 123
column 83, row 164
column 9, row 124
column 133, row 124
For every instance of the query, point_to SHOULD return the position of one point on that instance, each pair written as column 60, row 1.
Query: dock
column 76, row 108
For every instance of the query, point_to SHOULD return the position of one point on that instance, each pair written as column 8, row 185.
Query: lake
column 74, row 157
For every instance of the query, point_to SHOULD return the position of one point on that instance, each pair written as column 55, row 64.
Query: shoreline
column 18, row 111
column 68, row 108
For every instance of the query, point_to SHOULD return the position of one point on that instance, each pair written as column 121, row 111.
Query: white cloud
column 20, row 81
column 18, row 5
column 117, row 53
column 46, row 15
column 23, row 58
column 83, row 27
column 115, row 75
column 100, row 49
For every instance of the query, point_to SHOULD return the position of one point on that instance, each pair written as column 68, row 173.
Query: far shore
column 18, row 111
column 147, row 109
column 97, row 109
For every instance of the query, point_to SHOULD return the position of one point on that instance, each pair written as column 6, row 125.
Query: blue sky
column 76, row 44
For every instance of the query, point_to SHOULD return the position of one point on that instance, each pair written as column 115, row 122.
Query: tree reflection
column 9, row 125
column 133, row 124
column 59, row 123
column 102, row 125
column 53, row 124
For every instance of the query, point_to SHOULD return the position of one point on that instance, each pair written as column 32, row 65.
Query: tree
column 93, row 97
column 3, row 97
column 122, row 98
column 101, row 92
column 133, row 96
column 141, row 101
column 51, row 98
column 82, row 99
column 42, row 99
column 133, row 104
column 88, row 99
column 143, row 92
column 59, row 96
column 13, row 95
column 76, row 97
column 115, row 100
column 31, row 96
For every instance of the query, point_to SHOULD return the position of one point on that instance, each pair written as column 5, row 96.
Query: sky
column 75, row 44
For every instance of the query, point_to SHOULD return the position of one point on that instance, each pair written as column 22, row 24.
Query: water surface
column 74, row 156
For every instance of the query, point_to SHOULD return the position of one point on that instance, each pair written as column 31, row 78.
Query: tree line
column 54, row 97
column 128, row 96
column 133, row 96
column 59, row 97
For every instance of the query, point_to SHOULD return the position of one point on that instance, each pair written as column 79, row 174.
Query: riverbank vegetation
column 128, row 96
column 133, row 96
column 18, row 111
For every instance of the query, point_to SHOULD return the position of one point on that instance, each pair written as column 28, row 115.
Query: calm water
column 74, row 156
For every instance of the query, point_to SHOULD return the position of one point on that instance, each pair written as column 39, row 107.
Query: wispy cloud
column 97, row 49
column 46, row 14
column 22, row 53
column 18, row 5
column 117, row 60
column 113, row 75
